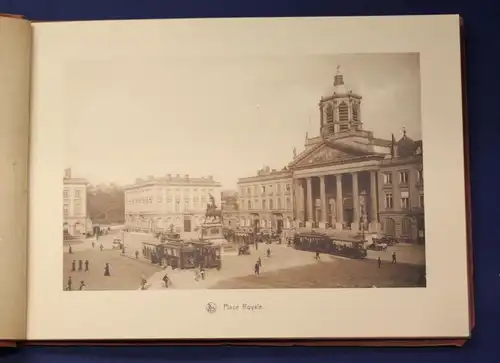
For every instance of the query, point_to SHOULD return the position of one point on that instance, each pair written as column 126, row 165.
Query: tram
column 183, row 254
column 318, row 242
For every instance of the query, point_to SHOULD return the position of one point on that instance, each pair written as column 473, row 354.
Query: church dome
column 406, row 146
column 339, row 87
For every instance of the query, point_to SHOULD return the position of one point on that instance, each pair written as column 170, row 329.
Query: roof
column 185, row 180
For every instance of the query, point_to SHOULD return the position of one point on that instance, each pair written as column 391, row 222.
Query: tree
column 106, row 204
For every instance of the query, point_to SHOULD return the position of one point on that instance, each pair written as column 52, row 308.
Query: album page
column 248, row 178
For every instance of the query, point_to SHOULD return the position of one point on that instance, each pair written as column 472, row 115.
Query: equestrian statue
column 212, row 212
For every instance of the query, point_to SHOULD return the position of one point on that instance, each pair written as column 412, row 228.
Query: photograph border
column 444, row 167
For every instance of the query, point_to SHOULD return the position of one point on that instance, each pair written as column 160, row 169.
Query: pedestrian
column 257, row 268
column 268, row 252
column 82, row 285
column 70, row 284
column 86, row 265
column 166, row 280
column 106, row 270
column 80, row 265
column 259, row 261
column 379, row 262
column 197, row 275
column 202, row 273
column 136, row 255
column 144, row 282
column 93, row 244
column 317, row 256
column 394, row 257
column 73, row 265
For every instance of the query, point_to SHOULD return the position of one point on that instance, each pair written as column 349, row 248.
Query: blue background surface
column 482, row 29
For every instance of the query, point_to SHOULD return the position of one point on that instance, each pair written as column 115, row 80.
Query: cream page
column 118, row 65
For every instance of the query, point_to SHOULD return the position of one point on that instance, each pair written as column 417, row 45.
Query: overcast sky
column 225, row 117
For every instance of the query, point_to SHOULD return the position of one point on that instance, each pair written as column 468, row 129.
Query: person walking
column 166, row 281
column 379, row 262
column 86, row 265
column 394, row 257
column 106, row 270
column 257, row 268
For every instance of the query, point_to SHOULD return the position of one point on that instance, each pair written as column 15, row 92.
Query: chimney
column 186, row 176
column 210, row 177
column 177, row 176
column 67, row 173
column 169, row 176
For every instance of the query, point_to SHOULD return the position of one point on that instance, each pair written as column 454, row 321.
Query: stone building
column 154, row 204
column 229, row 207
column 341, row 179
column 401, row 191
column 75, row 220
column 265, row 200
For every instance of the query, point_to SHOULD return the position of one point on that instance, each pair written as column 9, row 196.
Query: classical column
column 300, row 200
column 339, row 203
column 322, row 191
column 355, row 203
column 374, row 223
column 309, row 198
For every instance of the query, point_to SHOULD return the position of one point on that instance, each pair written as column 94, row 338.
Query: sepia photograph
column 244, row 172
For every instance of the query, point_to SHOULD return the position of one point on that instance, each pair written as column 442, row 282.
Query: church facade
column 348, row 179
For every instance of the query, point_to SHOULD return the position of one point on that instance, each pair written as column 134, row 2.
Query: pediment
column 325, row 153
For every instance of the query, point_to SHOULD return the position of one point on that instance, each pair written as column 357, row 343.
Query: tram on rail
column 322, row 243
column 183, row 254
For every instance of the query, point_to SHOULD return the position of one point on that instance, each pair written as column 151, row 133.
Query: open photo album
column 251, row 180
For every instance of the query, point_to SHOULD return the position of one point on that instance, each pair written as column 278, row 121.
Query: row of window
column 404, row 177
column 77, row 208
column 404, row 200
column 265, row 204
column 167, row 200
column 186, row 206
column 262, row 189
column 77, row 193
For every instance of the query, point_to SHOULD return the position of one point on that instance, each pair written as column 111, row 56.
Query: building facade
column 156, row 203
column 401, row 191
column 229, row 207
column 76, row 222
column 265, row 200
column 340, row 180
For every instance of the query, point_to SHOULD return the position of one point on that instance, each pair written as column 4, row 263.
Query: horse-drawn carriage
column 243, row 250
